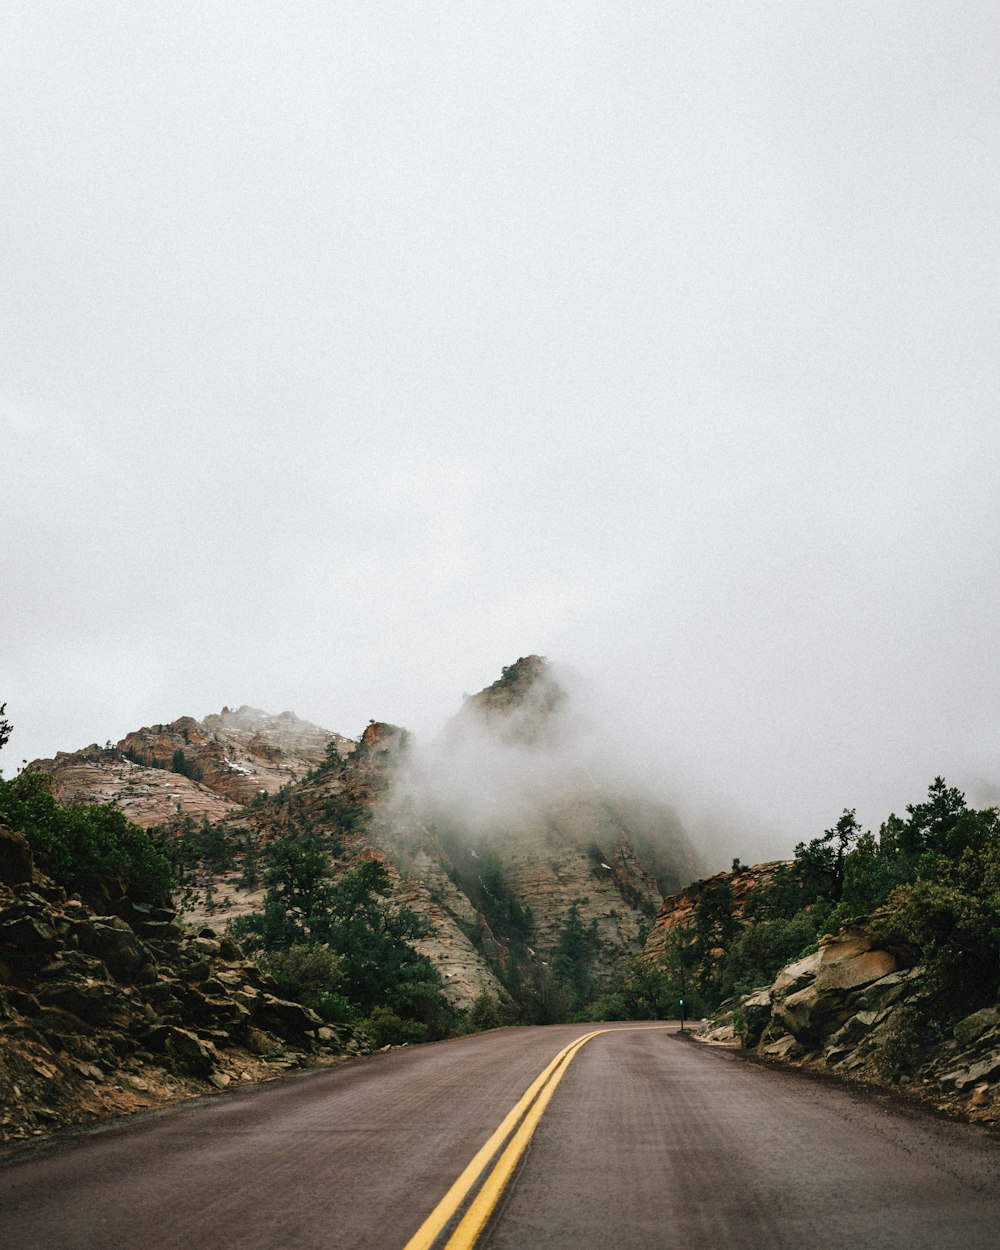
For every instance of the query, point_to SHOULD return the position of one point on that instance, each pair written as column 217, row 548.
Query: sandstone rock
column 111, row 940
column 756, row 1010
column 973, row 1027
column 797, row 975
column 784, row 1048
column 846, row 965
column 288, row 1016
column 679, row 909
column 985, row 1070
column 260, row 1043
column 186, row 1047
column 26, row 938
column 91, row 1000
column 809, row 1013
column 855, row 1028
column 894, row 988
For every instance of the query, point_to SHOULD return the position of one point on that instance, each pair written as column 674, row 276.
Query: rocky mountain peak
column 519, row 705
column 198, row 768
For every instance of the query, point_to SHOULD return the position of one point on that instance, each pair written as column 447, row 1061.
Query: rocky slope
column 108, row 1014
column 852, row 1009
column 205, row 768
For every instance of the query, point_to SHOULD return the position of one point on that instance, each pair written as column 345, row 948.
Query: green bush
column 385, row 1028
column 304, row 972
column 87, row 848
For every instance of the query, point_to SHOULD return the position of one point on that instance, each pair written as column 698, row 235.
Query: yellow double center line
column 487, row 1175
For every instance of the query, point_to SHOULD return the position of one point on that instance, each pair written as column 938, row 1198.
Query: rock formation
column 107, row 1014
column 852, row 1009
column 678, row 910
column 205, row 768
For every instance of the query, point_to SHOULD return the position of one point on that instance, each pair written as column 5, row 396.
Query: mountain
column 513, row 833
column 205, row 768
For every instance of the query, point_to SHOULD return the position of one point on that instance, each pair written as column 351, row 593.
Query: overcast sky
column 351, row 351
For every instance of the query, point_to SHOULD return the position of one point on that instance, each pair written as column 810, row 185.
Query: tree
column 354, row 917
column 820, row 864
column 186, row 768
column 715, row 927
column 6, row 728
column 573, row 957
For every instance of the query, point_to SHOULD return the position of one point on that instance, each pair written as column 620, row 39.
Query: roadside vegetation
column 341, row 945
column 930, row 879
column 88, row 848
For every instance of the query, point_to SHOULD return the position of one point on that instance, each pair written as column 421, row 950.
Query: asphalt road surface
column 637, row 1138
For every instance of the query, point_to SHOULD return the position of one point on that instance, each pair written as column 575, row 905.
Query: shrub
column 87, row 848
column 385, row 1028
column 305, row 973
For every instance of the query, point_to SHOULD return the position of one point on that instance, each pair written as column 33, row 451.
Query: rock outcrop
column 107, row 1014
column 679, row 909
column 853, row 1008
column 206, row 768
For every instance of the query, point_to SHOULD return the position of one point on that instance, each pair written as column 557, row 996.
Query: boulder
column 796, row 976
column 894, row 988
column 984, row 1070
column 973, row 1027
column 110, row 939
column 189, row 1050
column 288, row 1016
column 849, row 965
column 756, row 1008
column 809, row 1014
column 785, row 1047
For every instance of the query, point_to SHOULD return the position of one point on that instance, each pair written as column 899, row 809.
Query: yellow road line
column 523, row 1117
column 428, row 1232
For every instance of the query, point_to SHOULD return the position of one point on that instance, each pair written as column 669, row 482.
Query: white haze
column 351, row 351
column 483, row 777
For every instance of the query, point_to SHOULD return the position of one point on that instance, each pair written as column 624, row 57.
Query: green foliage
column 385, row 1028
column 715, row 927
column 905, row 1035
column 487, row 1012
column 250, row 876
column 573, row 958
column 90, row 849
column 649, row 992
column 353, row 917
column 955, row 923
column 820, row 864
column 762, row 950
column 185, row 767
column 307, row 973
column 6, row 729
column 932, row 878
column 144, row 761
column 501, row 907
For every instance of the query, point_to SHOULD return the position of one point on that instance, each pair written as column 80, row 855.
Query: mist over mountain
column 524, row 815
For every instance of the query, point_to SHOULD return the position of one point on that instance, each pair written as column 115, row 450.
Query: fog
column 351, row 352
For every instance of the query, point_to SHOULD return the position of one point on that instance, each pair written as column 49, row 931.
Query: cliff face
column 193, row 768
column 520, row 801
column 679, row 909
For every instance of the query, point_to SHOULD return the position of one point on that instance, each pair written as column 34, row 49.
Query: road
column 648, row 1140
